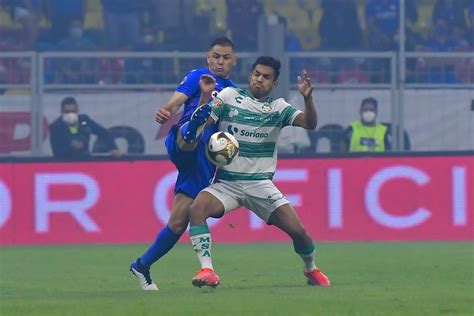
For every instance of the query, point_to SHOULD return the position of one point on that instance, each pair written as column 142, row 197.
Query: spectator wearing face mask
column 70, row 134
column 75, row 40
column 367, row 134
column 75, row 70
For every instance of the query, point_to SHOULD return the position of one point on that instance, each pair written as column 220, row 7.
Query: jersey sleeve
column 218, row 103
column 190, row 83
column 288, row 114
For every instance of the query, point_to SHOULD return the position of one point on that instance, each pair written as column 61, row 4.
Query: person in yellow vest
column 367, row 134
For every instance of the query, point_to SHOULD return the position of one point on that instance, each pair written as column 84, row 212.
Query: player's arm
column 171, row 107
column 309, row 118
column 207, row 84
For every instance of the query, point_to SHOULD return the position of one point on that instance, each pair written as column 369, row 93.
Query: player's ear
column 275, row 84
column 208, row 57
column 234, row 60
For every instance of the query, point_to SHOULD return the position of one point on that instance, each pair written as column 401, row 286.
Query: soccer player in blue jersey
column 194, row 170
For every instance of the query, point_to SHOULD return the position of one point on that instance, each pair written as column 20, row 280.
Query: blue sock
column 165, row 240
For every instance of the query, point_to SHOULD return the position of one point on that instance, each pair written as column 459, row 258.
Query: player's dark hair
column 222, row 41
column 270, row 62
column 370, row 100
column 68, row 100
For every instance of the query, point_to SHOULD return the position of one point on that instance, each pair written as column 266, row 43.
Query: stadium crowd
column 187, row 25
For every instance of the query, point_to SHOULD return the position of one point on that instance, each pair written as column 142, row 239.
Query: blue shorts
column 195, row 172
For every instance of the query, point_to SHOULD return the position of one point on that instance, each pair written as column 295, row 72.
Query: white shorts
column 261, row 197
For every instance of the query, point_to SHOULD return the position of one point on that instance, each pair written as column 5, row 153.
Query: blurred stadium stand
column 174, row 34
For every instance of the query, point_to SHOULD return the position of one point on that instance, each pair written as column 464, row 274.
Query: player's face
column 221, row 60
column 262, row 81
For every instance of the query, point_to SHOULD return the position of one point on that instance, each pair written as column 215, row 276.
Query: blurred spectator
column 382, row 23
column 122, row 22
column 169, row 18
column 61, row 13
column 26, row 13
column 382, row 18
column 144, row 70
column 70, row 133
column 75, row 39
column 339, row 27
column 442, row 39
column 75, row 70
column 366, row 134
column 452, row 11
column 242, row 20
column 437, row 70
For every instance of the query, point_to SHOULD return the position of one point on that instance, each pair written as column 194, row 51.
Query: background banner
column 347, row 199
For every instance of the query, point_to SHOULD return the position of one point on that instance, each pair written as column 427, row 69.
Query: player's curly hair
column 270, row 62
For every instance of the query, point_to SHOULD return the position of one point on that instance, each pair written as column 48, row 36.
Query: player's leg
column 211, row 202
column 188, row 185
column 163, row 243
column 203, row 207
column 266, row 201
column 286, row 219
column 191, row 131
column 168, row 237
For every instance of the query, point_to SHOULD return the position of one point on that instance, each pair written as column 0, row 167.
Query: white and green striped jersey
column 256, row 124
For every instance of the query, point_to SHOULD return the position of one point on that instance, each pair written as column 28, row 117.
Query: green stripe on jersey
column 245, row 117
column 256, row 150
column 287, row 114
column 237, row 176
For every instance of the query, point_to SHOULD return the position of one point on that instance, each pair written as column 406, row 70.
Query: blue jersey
column 190, row 87
column 195, row 172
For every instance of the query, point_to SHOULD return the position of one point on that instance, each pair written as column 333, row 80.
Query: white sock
column 202, row 245
column 309, row 264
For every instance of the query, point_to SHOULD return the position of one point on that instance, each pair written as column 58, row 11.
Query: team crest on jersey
column 214, row 93
column 216, row 101
column 266, row 107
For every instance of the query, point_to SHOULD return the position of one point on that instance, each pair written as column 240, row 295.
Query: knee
column 178, row 225
column 197, row 210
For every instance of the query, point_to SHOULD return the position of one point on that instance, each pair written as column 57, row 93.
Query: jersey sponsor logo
column 235, row 131
column 232, row 130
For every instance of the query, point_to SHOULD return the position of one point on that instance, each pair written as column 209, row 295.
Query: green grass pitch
column 260, row 279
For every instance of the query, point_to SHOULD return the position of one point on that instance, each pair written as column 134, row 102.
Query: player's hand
column 162, row 116
column 304, row 85
column 207, row 84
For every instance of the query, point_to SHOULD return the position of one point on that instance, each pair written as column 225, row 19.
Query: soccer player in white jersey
column 255, row 120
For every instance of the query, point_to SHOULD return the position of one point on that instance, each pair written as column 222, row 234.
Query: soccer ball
column 222, row 149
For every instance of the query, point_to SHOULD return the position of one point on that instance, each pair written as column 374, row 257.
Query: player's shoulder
column 279, row 104
column 229, row 91
column 194, row 75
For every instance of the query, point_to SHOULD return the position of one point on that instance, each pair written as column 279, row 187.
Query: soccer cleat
column 316, row 277
column 143, row 276
column 196, row 124
column 206, row 277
